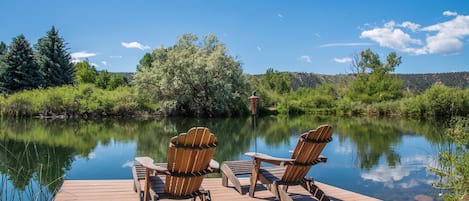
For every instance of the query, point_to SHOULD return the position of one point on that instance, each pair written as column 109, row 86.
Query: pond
column 382, row 158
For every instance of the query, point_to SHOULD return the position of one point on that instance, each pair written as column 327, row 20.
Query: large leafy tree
column 54, row 59
column 277, row 81
column 146, row 61
column 20, row 71
column 373, row 81
column 85, row 73
column 193, row 77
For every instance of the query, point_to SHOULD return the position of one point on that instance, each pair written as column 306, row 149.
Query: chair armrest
column 215, row 166
column 322, row 158
column 147, row 162
column 269, row 159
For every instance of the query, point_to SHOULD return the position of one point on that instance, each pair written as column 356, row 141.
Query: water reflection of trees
column 31, row 166
column 47, row 147
column 36, row 154
column 375, row 138
column 234, row 136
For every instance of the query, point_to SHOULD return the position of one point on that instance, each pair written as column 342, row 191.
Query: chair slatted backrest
column 306, row 152
column 189, row 156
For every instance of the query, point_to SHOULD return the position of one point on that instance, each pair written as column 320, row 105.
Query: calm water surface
column 383, row 158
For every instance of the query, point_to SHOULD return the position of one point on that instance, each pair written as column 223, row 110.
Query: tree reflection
column 43, row 150
column 372, row 139
column 25, row 163
column 234, row 136
column 375, row 138
column 36, row 154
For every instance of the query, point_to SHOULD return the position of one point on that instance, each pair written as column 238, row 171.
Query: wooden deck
column 123, row 190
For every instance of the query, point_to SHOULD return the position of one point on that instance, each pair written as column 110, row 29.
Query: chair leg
column 281, row 192
column 146, row 195
column 285, row 188
column 224, row 180
column 315, row 190
column 254, row 177
column 209, row 197
column 228, row 174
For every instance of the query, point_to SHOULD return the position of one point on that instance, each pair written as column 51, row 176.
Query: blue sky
column 296, row 36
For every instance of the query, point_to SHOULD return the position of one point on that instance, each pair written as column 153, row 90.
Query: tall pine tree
column 54, row 60
column 3, row 51
column 3, row 48
column 20, row 71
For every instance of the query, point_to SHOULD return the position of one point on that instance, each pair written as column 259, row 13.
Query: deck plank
column 78, row 190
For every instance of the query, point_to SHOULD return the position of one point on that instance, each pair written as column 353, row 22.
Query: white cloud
column 410, row 25
column 135, row 45
column 94, row 64
column 442, row 38
column 344, row 44
column 343, row 60
column 449, row 36
column 391, row 37
column 443, row 44
column 450, row 13
column 116, row 57
column 259, row 49
column 83, row 54
column 305, row 58
column 104, row 63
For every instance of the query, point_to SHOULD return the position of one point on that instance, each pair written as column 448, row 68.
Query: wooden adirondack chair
column 292, row 171
column 189, row 160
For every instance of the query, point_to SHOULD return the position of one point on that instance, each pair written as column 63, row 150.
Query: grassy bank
column 84, row 100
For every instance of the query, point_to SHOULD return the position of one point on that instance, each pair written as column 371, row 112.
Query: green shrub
column 20, row 104
column 83, row 99
column 444, row 101
column 454, row 162
column 414, row 106
column 347, row 106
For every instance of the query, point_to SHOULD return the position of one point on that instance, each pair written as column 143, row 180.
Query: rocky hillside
column 412, row 82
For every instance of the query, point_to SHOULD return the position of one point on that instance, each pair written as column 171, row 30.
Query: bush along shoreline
column 89, row 101
column 80, row 101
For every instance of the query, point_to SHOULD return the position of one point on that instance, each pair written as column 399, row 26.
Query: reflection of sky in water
column 407, row 180
column 110, row 161
column 392, row 176
column 404, row 181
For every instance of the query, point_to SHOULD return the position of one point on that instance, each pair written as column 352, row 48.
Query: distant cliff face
column 412, row 82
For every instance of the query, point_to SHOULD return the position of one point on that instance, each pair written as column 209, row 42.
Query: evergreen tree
column 20, row 71
column 3, row 51
column 3, row 48
column 54, row 60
